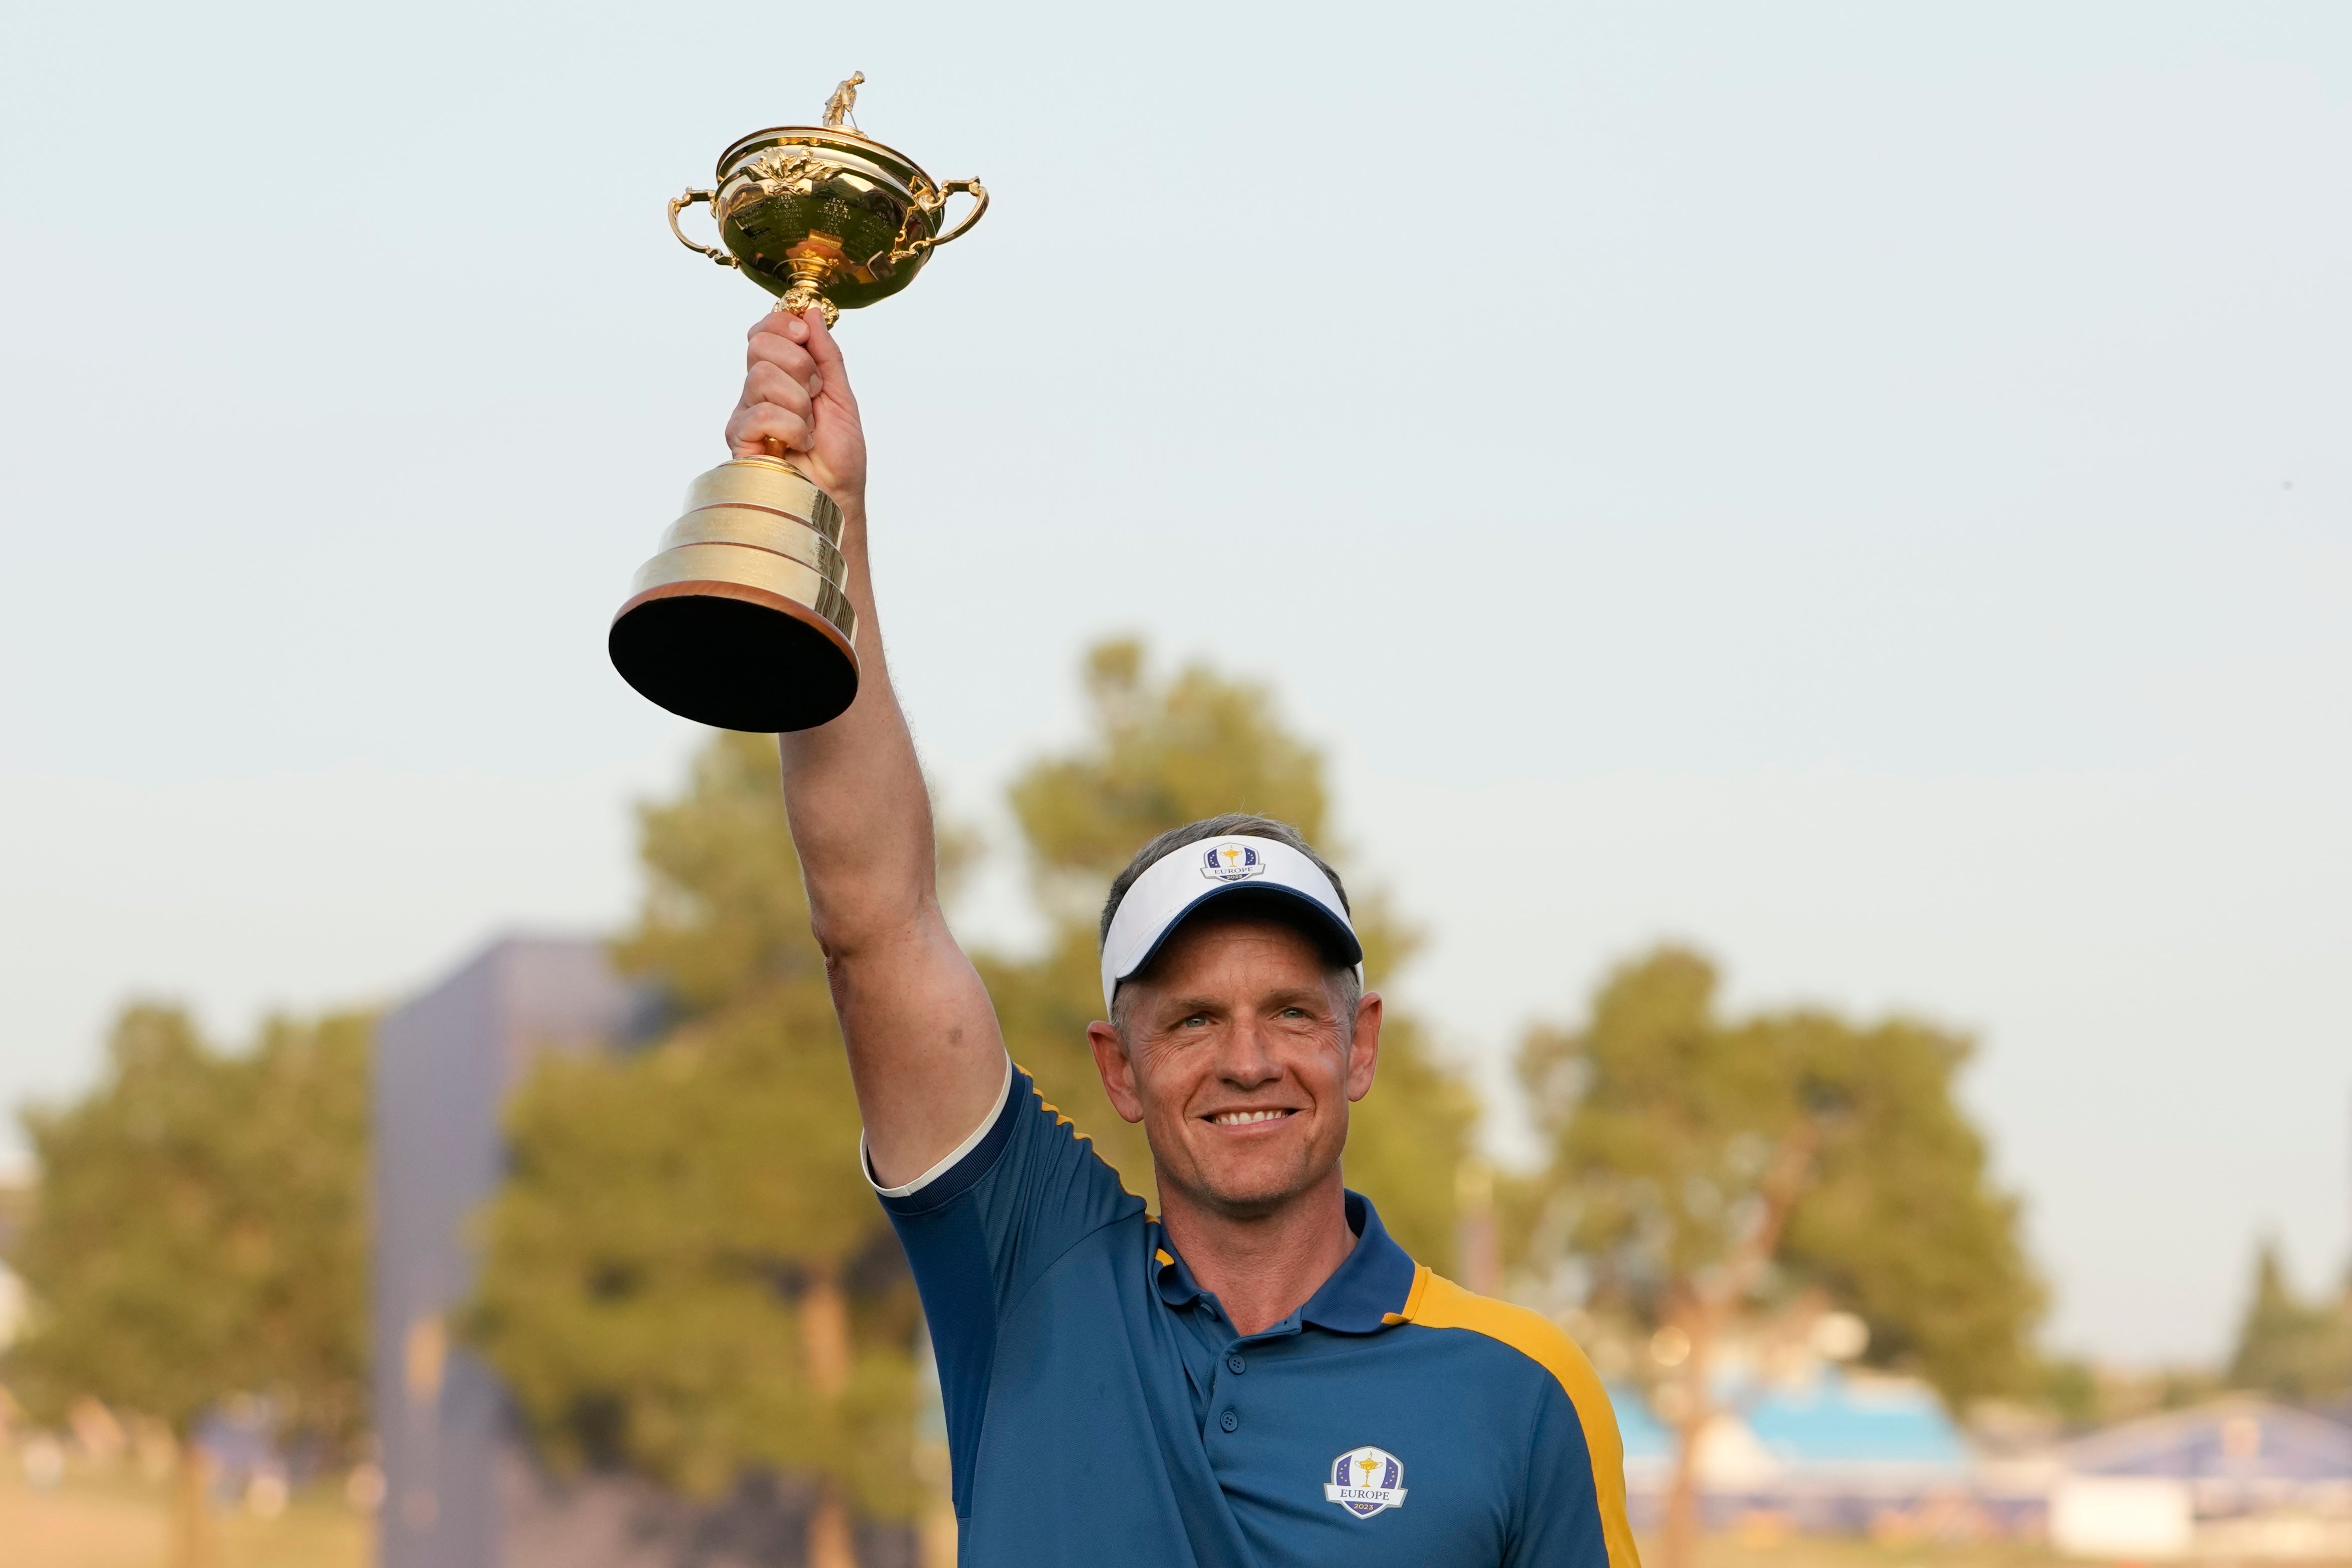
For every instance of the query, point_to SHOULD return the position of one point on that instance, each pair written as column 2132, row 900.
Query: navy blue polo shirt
column 1101, row 1409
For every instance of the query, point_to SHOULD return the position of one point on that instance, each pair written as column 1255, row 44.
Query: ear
column 1364, row 1049
column 1117, row 1072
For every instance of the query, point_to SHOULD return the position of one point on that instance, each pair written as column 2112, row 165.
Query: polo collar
column 1369, row 1290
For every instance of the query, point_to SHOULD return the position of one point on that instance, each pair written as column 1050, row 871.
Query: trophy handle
column 973, row 188
column 678, row 204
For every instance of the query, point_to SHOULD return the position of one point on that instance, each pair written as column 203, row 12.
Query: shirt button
column 1236, row 1365
column 1230, row 1422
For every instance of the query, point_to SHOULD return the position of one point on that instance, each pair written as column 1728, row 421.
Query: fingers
column 775, row 349
column 833, row 376
column 750, row 430
column 795, row 380
column 780, row 382
column 775, row 404
column 779, row 324
column 771, row 384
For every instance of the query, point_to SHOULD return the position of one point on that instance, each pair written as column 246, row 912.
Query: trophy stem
column 810, row 275
column 796, row 300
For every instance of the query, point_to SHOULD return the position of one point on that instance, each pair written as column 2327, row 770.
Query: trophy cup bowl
column 743, row 620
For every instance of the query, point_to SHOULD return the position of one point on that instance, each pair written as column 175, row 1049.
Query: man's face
column 1239, row 1062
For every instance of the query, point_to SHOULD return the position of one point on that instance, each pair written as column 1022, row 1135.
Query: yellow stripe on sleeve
column 1439, row 1303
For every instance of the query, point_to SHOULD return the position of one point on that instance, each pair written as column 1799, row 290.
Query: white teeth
column 1238, row 1117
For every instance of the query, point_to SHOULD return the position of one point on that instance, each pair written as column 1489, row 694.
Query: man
column 1258, row 1376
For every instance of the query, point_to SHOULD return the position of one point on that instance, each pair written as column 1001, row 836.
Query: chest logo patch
column 1366, row 1480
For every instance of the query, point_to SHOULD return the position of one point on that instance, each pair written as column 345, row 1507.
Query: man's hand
column 796, row 391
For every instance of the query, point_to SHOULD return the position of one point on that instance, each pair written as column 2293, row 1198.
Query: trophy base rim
column 733, row 657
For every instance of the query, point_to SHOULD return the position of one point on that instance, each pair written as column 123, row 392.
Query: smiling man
column 1259, row 1375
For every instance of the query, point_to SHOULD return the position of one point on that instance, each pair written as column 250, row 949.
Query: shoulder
column 1547, row 1353
column 1548, row 1358
column 1023, row 1134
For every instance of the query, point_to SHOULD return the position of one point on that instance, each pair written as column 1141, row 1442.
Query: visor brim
column 1271, row 900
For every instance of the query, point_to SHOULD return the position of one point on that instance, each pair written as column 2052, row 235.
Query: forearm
column 861, row 815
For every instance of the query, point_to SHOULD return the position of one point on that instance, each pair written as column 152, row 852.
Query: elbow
column 848, row 933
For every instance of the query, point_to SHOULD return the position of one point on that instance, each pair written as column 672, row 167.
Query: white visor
column 1184, row 879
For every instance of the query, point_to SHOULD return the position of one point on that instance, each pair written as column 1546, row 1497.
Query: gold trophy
column 743, row 620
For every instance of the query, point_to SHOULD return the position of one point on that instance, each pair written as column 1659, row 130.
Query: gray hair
column 1232, row 824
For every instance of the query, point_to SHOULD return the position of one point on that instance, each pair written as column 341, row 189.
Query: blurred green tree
column 2287, row 1346
column 684, row 1271
column 1162, row 752
column 1705, row 1170
column 198, row 1231
column 2068, row 1387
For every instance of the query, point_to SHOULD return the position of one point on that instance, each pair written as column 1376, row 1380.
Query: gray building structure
column 462, row 1487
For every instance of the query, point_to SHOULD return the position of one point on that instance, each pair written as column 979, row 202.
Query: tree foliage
column 684, row 1271
column 199, row 1230
column 1162, row 752
column 2287, row 1346
column 1665, row 1121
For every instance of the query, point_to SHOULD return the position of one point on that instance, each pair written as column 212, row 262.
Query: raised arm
column 924, row 1049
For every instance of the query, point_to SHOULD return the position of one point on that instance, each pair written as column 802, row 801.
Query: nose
column 1244, row 1062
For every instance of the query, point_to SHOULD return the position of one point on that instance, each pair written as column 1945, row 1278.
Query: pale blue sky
column 1859, row 489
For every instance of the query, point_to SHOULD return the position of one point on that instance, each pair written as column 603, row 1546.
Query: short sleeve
column 985, row 1224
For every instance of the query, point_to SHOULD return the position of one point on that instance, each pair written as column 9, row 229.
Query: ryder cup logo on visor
column 1232, row 862
column 1366, row 1480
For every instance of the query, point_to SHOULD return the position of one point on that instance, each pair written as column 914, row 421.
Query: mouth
column 1247, row 1118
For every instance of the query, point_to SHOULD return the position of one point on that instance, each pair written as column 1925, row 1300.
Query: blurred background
column 1781, row 547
